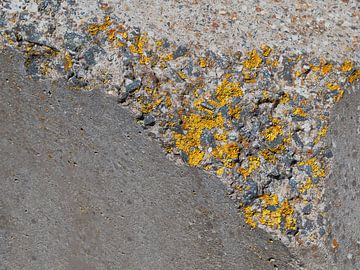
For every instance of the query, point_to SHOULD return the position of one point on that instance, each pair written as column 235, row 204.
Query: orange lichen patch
column 221, row 136
column 168, row 102
column 95, row 28
column 140, row 43
column 268, row 155
column 248, row 78
column 249, row 216
column 235, row 112
column 266, row 50
column 314, row 67
column 272, row 62
column 346, row 66
column 335, row 244
column 193, row 126
column 195, row 157
column 68, row 62
column 338, row 97
column 198, row 104
column 321, row 134
column 333, row 87
column 166, row 56
column 220, row 171
column 299, row 112
column 144, row 60
column 159, row 44
column 113, row 36
column 306, row 186
column 354, row 76
column 317, row 171
column 227, row 90
column 149, row 107
column 227, row 153
column 326, row 68
column 181, row 74
column 272, row 132
column 285, row 98
column 254, row 163
column 254, row 60
column 203, row 62
column 270, row 199
column 271, row 219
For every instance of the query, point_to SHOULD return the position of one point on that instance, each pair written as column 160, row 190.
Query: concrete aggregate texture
column 249, row 104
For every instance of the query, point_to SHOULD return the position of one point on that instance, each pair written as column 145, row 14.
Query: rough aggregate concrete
column 83, row 188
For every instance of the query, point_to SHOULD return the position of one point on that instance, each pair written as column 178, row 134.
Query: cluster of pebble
column 257, row 119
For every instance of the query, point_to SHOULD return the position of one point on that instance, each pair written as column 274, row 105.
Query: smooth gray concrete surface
column 84, row 187
column 343, row 190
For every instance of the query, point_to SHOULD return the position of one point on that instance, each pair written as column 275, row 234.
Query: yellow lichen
column 68, row 62
column 285, row 98
column 195, row 157
column 254, row 60
column 346, row 66
column 193, row 126
column 254, row 163
column 95, row 28
column 235, row 112
column 272, row 132
column 268, row 156
column 220, row 171
column 203, row 62
column 326, row 68
column 317, row 171
column 266, row 50
column 248, row 215
column 299, row 112
column 166, row 56
column 227, row 153
column 271, row 219
column 306, row 186
column 354, row 76
column 227, row 90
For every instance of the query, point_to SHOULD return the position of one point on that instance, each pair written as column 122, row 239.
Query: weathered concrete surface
column 82, row 187
column 343, row 191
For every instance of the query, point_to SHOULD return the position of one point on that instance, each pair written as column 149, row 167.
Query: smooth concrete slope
column 343, row 191
column 83, row 187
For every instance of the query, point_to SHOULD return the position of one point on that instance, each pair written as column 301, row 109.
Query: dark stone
column 74, row 41
column 49, row 6
column 298, row 118
column 207, row 106
column 180, row 51
column 293, row 184
column 123, row 96
column 308, row 170
column 274, row 173
column 89, row 55
column 307, row 209
column 132, row 87
column 328, row 153
column 149, row 120
column 250, row 192
column 207, row 138
column 184, row 156
column 287, row 71
column 297, row 140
